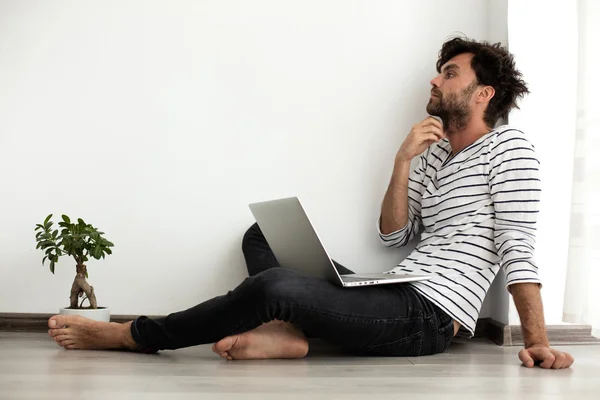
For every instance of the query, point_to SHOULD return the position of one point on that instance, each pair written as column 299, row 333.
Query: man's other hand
column 546, row 357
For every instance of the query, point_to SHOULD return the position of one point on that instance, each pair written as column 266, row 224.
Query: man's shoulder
column 508, row 136
column 508, row 131
column 509, row 143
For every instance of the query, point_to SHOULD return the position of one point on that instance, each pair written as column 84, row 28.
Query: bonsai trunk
column 81, row 286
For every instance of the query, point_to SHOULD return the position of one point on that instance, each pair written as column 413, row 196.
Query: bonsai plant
column 80, row 241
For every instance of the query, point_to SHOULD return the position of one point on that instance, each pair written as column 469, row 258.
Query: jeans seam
column 355, row 319
column 434, row 331
column 449, row 325
column 417, row 334
column 415, row 351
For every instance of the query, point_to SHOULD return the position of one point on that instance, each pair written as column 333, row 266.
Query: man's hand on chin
column 546, row 357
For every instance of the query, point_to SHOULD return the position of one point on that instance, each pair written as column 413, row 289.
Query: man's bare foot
column 275, row 339
column 76, row 332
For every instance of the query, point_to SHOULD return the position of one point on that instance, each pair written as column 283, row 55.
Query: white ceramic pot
column 99, row 314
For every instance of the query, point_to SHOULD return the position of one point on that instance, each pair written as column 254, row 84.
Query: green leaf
column 54, row 234
column 96, row 252
column 47, row 219
column 44, row 260
column 66, row 219
column 52, row 266
column 86, row 274
column 80, row 221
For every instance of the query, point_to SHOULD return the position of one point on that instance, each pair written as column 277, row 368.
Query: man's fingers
column 427, row 126
column 559, row 359
column 569, row 360
column 563, row 360
column 433, row 139
column 432, row 129
column 544, row 355
column 431, row 121
column 419, row 136
column 430, row 138
column 526, row 358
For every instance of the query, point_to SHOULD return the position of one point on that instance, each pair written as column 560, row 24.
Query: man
column 473, row 197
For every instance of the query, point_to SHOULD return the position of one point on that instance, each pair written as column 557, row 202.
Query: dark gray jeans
column 390, row 320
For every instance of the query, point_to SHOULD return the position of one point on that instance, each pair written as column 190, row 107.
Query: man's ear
column 486, row 93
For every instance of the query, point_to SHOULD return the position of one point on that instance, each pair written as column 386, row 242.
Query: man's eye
column 449, row 75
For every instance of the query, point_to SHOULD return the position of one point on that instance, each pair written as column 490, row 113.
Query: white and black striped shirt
column 476, row 212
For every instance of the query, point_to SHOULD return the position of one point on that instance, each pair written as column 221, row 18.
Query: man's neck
column 466, row 136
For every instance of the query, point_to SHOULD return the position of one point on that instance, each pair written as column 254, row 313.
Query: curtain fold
column 582, row 295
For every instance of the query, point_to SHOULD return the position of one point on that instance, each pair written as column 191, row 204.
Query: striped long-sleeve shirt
column 476, row 213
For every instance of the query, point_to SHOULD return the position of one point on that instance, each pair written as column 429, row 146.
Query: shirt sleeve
column 416, row 187
column 515, row 192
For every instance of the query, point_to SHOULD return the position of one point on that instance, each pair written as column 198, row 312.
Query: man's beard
column 453, row 109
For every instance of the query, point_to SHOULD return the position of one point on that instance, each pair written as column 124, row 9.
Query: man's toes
column 58, row 321
column 58, row 332
column 71, row 347
column 224, row 345
column 66, row 343
column 60, row 338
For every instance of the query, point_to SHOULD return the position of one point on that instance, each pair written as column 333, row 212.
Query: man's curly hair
column 494, row 66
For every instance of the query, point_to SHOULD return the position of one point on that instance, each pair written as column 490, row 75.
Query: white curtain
column 582, row 295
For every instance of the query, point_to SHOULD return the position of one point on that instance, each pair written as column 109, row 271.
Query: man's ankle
column 128, row 341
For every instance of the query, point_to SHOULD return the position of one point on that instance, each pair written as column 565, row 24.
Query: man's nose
column 435, row 82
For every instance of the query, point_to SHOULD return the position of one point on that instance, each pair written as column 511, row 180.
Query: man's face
column 452, row 92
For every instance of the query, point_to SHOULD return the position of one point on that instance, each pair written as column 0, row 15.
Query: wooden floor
column 33, row 367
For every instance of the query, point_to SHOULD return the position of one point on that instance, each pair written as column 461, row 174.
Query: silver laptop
column 296, row 245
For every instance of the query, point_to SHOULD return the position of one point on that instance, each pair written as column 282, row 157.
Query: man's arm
column 528, row 301
column 395, row 207
column 515, row 192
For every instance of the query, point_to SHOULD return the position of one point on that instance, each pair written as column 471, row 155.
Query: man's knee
column 277, row 284
column 252, row 235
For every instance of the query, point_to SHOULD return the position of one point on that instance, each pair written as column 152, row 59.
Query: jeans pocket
column 445, row 333
column 446, row 326
column 405, row 347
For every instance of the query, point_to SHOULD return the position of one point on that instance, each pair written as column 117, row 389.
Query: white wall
column 496, row 301
column 160, row 121
column 543, row 38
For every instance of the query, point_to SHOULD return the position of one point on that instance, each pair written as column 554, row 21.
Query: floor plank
column 33, row 367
